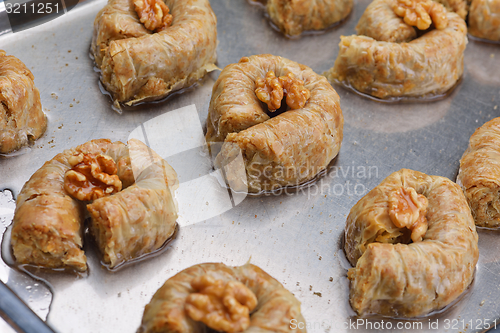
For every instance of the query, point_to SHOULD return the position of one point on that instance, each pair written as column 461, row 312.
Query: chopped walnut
column 422, row 13
column 296, row 94
column 407, row 209
column 272, row 89
column 154, row 14
column 269, row 91
column 91, row 177
column 222, row 306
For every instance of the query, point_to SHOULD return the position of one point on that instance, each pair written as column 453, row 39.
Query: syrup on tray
column 403, row 99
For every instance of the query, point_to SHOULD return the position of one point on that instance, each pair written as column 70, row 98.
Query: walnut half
column 222, row 306
column 154, row 14
column 407, row 209
column 422, row 13
column 271, row 90
column 91, row 177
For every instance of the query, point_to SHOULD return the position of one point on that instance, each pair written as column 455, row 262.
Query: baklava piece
column 21, row 117
column 283, row 118
column 479, row 174
column 413, row 245
column 128, row 191
column 295, row 17
column 484, row 19
column 404, row 48
column 226, row 299
column 147, row 49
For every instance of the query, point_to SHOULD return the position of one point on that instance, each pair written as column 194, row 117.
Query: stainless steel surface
column 14, row 311
column 295, row 237
column 34, row 293
column 7, row 206
column 4, row 20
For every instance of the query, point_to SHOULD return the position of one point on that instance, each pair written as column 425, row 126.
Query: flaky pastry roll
column 392, row 58
column 138, row 64
column 413, row 245
column 222, row 298
column 295, row 17
column 479, row 174
column 129, row 191
column 21, row 116
column 287, row 149
column 484, row 19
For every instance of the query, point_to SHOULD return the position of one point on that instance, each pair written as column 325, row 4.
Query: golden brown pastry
column 479, row 174
column 413, row 243
column 221, row 298
column 288, row 149
column 140, row 65
column 21, row 116
column 129, row 191
column 295, row 17
column 461, row 7
column 484, row 19
column 388, row 60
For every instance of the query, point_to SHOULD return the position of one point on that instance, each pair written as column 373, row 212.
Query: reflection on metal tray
column 295, row 237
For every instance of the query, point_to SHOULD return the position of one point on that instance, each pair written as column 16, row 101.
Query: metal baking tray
column 296, row 236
